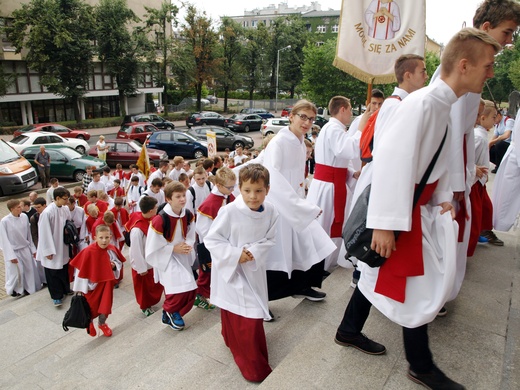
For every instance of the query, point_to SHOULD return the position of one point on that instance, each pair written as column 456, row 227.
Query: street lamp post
column 277, row 71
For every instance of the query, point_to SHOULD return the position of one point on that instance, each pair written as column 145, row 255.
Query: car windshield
column 135, row 145
column 70, row 153
column 27, row 128
column 126, row 129
column 7, row 154
column 21, row 139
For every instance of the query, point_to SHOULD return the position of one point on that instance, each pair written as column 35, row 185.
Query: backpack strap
column 192, row 190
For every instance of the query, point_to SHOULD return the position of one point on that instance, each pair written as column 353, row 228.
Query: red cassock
column 245, row 337
column 147, row 292
column 481, row 214
column 93, row 264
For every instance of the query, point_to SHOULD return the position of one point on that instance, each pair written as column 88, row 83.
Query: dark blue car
column 176, row 143
column 261, row 112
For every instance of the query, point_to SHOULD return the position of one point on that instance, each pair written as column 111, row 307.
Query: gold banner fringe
column 359, row 74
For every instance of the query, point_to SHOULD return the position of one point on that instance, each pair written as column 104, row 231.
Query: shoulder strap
column 208, row 183
column 192, row 190
column 422, row 184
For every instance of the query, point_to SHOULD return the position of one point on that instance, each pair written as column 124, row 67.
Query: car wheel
column 237, row 144
column 78, row 175
column 246, row 129
column 80, row 137
column 198, row 154
column 80, row 149
column 267, row 133
column 170, row 127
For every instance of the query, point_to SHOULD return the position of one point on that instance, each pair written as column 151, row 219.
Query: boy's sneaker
column 483, row 239
column 492, row 238
column 311, row 295
column 16, row 295
column 57, row 302
column 442, row 312
column 173, row 320
column 148, row 312
column 203, row 303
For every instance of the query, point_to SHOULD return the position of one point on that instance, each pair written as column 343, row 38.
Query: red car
column 138, row 131
column 65, row 132
column 286, row 111
column 127, row 151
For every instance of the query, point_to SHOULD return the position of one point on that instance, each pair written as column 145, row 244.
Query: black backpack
column 78, row 315
column 70, row 236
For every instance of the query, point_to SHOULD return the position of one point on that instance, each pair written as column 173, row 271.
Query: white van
column 16, row 173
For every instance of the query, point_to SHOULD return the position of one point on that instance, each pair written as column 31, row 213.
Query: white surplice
column 398, row 166
column 506, row 202
column 137, row 251
column 241, row 288
column 172, row 270
column 50, row 237
column 80, row 221
column 301, row 242
column 333, row 148
column 201, row 193
column 16, row 243
column 463, row 115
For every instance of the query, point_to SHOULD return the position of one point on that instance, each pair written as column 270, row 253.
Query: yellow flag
column 143, row 163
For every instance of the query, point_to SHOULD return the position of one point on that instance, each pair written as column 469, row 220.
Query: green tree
column 230, row 74
column 159, row 22
column 119, row 49
column 57, row 35
column 254, row 57
column 321, row 80
column 201, row 40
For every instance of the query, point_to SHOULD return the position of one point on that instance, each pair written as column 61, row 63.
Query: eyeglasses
column 231, row 188
column 305, row 118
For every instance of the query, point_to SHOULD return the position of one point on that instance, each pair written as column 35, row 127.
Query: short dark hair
column 173, row 186
column 377, row 93
column 208, row 163
column 157, row 182
column 253, row 173
column 60, row 192
column 40, row 201
column 147, row 203
column 119, row 201
column 336, row 103
column 134, row 178
column 106, row 169
column 406, row 63
column 496, row 12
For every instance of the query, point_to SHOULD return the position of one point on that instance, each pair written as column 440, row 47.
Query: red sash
column 338, row 177
column 462, row 214
column 212, row 204
column 407, row 259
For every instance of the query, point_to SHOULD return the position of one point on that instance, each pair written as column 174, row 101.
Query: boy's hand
column 447, row 206
column 182, row 248
column 246, row 256
column 14, row 261
column 49, row 257
column 143, row 273
column 383, row 242
column 113, row 265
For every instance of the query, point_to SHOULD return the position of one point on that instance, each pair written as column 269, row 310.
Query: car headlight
column 5, row 170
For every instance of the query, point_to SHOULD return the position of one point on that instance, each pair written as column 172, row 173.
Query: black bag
column 78, row 315
column 126, row 235
column 358, row 238
column 204, row 257
column 70, row 233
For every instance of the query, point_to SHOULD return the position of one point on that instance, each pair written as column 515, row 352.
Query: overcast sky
column 443, row 17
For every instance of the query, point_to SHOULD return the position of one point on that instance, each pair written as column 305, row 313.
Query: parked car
column 65, row 161
column 212, row 99
column 273, row 125
column 225, row 138
column 16, row 173
column 55, row 128
column 154, row 119
column 176, row 143
column 205, row 118
column 136, row 131
column 127, row 151
column 43, row 138
column 320, row 121
column 244, row 122
column 286, row 111
column 261, row 112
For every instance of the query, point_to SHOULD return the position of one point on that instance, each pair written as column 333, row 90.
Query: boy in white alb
column 239, row 241
column 21, row 272
column 169, row 250
column 199, row 191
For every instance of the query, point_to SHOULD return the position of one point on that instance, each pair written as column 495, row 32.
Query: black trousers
column 58, row 281
column 497, row 152
column 280, row 286
column 415, row 340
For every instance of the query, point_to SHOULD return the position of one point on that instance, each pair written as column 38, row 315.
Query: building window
column 246, row 23
column 335, row 28
column 254, row 23
column 321, row 29
column 319, row 43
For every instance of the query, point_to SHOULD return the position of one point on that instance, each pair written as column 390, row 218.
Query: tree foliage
column 57, row 35
column 254, row 58
column 231, row 47
column 159, row 23
column 321, row 80
column 119, row 48
column 201, row 40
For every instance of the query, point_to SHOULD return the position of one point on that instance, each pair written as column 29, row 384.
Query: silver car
column 273, row 125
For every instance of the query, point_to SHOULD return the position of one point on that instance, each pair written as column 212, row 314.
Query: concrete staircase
column 474, row 344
